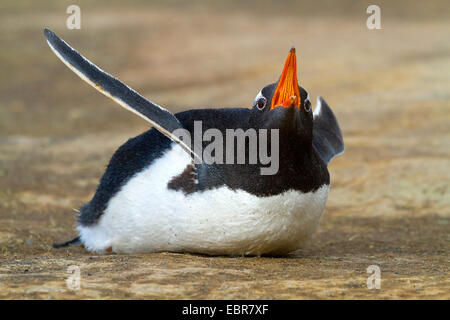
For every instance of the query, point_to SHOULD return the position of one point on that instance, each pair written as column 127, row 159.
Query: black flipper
column 162, row 119
column 327, row 136
column 73, row 242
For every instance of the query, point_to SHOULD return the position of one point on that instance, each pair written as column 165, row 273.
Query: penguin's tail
column 75, row 241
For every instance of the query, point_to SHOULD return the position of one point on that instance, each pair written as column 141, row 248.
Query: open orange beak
column 287, row 94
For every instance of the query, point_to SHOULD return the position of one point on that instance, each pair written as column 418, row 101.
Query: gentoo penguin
column 158, row 195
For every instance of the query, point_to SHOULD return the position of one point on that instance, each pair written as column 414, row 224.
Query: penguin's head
column 285, row 105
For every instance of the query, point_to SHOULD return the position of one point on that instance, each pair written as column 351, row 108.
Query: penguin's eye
column 261, row 103
column 307, row 106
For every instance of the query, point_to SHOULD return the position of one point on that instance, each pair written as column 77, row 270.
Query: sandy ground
column 390, row 198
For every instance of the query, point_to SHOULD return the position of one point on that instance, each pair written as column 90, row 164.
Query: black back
column 300, row 167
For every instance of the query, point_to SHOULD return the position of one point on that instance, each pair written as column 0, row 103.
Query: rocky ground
column 389, row 203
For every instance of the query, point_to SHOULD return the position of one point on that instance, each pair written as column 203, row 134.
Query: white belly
column 144, row 216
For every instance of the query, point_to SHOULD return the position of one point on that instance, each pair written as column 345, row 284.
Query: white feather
column 144, row 216
column 316, row 112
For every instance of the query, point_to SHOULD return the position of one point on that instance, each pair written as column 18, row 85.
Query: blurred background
column 389, row 202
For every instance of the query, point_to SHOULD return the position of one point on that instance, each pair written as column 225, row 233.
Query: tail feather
column 75, row 241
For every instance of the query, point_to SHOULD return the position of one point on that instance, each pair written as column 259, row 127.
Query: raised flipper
column 327, row 136
column 162, row 119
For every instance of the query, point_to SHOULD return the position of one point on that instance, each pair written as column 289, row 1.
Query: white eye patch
column 307, row 99
column 258, row 96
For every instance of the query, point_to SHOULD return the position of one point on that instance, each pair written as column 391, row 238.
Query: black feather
column 327, row 136
column 75, row 241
